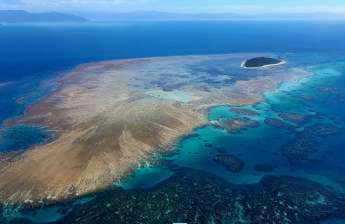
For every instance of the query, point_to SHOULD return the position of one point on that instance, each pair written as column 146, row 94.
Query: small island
column 260, row 62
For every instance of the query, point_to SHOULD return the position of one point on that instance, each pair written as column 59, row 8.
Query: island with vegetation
column 259, row 62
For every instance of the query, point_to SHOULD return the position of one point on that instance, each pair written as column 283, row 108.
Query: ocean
column 31, row 55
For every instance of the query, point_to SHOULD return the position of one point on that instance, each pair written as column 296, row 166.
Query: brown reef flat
column 111, row 116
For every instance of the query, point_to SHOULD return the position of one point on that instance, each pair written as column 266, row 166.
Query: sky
column 182, row 6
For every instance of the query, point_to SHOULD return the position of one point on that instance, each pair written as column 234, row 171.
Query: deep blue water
column 28, row 51
column 32, row 53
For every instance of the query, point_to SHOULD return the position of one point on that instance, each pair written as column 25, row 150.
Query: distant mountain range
column 157, row 15
column 20, row 16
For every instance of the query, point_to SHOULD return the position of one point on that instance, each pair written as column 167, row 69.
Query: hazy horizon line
column 157, row 15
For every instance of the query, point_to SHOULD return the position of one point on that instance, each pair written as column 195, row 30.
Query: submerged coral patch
column 230, row 162
column 275, row 122
column 196, row 197
column 236, row 124
column 303, row 145
column 294, row 117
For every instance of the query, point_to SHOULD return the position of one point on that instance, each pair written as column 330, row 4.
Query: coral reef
column 294, row 117
column 237, row 124
column 196, row 197
column 110, row 117
column 244, row 112
column 230, row 162
column 274, row 122
column 303, row 144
